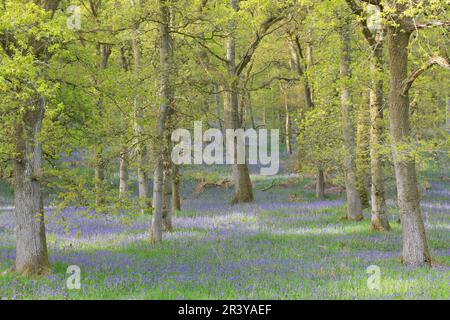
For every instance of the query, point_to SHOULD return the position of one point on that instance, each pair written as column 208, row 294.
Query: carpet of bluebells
column 275, row 248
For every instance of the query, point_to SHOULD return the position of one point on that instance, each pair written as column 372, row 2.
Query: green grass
column 260, row 251
column 323, row 263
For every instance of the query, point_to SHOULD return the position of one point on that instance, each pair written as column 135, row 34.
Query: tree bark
column 380, row 219
column 31, row 243
column 142, row 158
column 141, row 145
column 297, row 56
column 99, row 177
column 242, row 184
column 320, row 185
column 176, row 201
column 281, row 123
column 375, row 40
column 447, row 113
column 157, row 218
column 165, row 110
column 415, row 247
column 363, row 156
column 249, row 108
column 354, row 211
column 123, row 174
column 104, row 52
column 218, row 107
column 287, row 126
column 124, row 154
column 264, row 115
column 167, row 197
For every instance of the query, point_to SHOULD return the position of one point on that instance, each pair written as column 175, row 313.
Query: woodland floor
column 272, row 249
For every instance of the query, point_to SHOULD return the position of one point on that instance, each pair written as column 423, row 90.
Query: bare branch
column 269, row 82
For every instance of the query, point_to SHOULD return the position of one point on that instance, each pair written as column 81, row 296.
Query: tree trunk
column 142, row 158
column 447, row 113
column 296, row 56
column 218, row 107
column 123, row 174
column 242, row 183
column 415, row 247
column 165, row 110
column 141, row 145
column 380, row 219
column 104, row 52
column 264, row 115
column 31, row 244
column 124, row 154
column 167, row 177
column 287, row 126
column 167, row 198
column 157, row 218
column 363, row 156
column 281, row 123
column 176, row 202
column 354, row 211
column 320, row 185
column 241, row 177
column 99, row 177
column 250, row 110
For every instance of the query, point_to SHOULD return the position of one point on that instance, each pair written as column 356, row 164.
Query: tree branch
column 430, row 24
column 269, row 82
column 359, row 11
column 374, row 2
column 260, row 34
column 440, row 61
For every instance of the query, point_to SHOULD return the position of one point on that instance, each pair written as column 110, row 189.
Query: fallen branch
column 269, row 187
column 203, row 185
